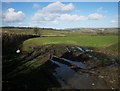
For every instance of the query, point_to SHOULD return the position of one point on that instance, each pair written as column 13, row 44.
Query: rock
column 100, row 76
column 93, row 84
column 112, row 88
column 90, row 56
column 18, row 51
column 80, row 72
column 111, row 81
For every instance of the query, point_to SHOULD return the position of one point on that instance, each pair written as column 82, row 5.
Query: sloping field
column 82, row 40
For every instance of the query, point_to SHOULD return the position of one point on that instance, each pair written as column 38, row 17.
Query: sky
column 60, row 15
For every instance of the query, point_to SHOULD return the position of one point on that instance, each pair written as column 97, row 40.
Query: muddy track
column 69, row 78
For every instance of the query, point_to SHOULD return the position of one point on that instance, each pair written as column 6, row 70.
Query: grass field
column 51, row 36
column 81, row 40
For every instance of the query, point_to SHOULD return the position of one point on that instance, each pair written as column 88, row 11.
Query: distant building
column 100, row 31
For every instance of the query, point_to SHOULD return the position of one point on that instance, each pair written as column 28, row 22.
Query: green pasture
column 96, row 41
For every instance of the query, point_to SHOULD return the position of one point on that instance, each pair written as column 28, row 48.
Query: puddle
column 81, row 49
column 71, row 79
column 84, row 50
column 78, row 64
column 90, row 56
column 88, row 50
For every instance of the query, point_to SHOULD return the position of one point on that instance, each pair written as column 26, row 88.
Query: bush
column 36, row 30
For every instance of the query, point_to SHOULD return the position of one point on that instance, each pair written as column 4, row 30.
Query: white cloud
column 60, row 12
column 57, row 7
column 52, row 11
column 58, row 17
column 55, row 22
column 95, row 16
column 36, row 5
column 68, row 17
column 65, row 17
column 12, row 16
column 45, row 17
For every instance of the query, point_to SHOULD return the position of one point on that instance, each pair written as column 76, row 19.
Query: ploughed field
column 71, row 62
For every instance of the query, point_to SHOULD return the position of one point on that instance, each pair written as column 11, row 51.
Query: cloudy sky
column 60, row 14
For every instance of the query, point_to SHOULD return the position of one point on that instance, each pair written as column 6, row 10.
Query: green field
column 51, row 36
column 96, row 41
